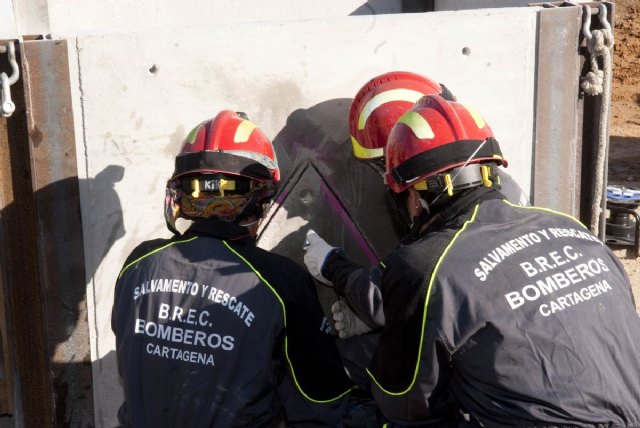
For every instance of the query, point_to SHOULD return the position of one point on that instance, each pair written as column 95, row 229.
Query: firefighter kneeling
column 453, row 350
column 212, row 331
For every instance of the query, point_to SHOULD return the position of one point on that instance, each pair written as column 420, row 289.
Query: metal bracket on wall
column 8, row 107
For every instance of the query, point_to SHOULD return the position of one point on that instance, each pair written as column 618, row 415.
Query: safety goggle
column 216, row 184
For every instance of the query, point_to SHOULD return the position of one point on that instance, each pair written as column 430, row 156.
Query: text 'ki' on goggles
column 220, row 184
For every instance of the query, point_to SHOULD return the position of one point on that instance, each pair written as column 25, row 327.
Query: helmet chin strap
column 251, row 226
column 460, row 169
column 258, row 213
column 429, row 209
column 251, row 223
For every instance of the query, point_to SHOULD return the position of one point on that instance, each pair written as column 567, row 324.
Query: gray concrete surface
column 71, row 17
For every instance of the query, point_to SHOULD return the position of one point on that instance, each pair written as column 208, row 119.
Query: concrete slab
column 73, row 17
column 137, row 94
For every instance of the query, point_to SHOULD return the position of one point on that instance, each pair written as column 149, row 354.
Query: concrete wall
column 8, row 29
column 137, row 94
column 72, row 17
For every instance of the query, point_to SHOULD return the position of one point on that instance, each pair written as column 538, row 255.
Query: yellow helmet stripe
column 191, row 138
column 364, row 153
column 480, row 123
column 243, row 132
column 418, row 124
column 385, row 97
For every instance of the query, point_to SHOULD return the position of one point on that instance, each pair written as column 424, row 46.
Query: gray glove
column 316, row 254
column 346, row 322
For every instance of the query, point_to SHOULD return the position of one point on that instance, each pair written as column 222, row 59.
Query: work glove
column 346, row 322
column 316, row 254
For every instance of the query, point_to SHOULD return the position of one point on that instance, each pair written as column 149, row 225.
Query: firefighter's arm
column 315, row 385
column 359, row 286
column 412, row 362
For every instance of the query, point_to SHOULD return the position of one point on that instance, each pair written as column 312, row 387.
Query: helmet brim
column 221, row 162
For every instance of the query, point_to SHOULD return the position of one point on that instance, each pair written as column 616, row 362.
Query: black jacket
column 212, row 331
column 517, row 315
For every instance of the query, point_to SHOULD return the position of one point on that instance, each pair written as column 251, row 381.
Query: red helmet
column 436, row 136
column 379, row 103
column 228, row 144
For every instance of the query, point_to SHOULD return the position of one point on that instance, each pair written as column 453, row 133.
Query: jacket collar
column 468, row 200
column 221, row 230
column 460, row 205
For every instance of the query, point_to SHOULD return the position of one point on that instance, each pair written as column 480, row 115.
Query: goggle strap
column 460, row 178
column 457, row 152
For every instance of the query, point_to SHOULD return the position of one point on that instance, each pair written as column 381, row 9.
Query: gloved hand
column 316, row 254
column 346, row 321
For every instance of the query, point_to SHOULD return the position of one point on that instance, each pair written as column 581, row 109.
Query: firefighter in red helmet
column 496, row 315
column 380, row 102
column 375, row 109
column 212, row 331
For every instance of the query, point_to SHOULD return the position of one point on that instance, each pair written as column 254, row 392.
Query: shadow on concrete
column 325, row 188
column 46, row 288
column 377, row 7
column 380, row 7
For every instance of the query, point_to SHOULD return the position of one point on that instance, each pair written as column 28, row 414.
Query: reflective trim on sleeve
column 153, row 252
column 426, row 303
column 284, row 315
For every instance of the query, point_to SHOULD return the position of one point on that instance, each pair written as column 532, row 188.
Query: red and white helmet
column 228, row 144
column 435, row 136
column 379, row 103
column 227, row 169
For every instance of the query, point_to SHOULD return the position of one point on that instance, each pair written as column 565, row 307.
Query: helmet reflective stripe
column 461, row 137
column 191, row 138
column 476, row 118
column 385, row 97
column 264, row 160
column 243, row 132
column 418, row 125
column 213, row 144
column 364, row 153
